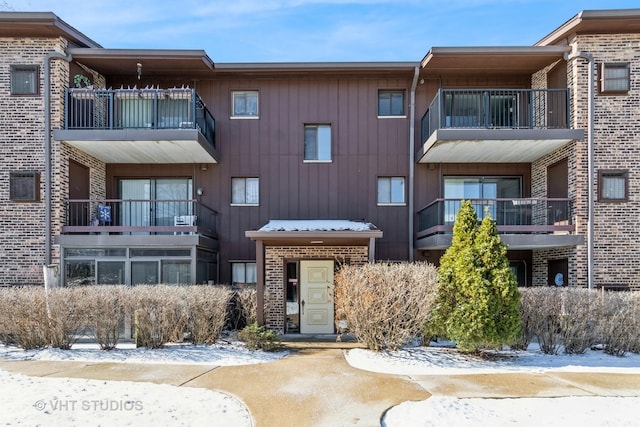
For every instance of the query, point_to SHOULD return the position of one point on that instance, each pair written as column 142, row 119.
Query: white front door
column 316, row 297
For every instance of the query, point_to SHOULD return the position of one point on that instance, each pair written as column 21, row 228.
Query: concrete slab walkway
column 314, row 385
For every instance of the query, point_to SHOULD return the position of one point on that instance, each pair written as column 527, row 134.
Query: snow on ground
column 217, row 354
column 439, row 411
column 34, row 401
column 60, row 401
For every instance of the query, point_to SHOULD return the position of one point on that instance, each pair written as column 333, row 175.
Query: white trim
column 244, row 117
column 393, row 117
column 392, row 204
column 244, row 204
column 317, row 161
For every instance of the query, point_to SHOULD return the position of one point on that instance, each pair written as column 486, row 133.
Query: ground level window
column 243, row 273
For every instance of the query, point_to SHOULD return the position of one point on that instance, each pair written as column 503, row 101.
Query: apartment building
column 164, row 166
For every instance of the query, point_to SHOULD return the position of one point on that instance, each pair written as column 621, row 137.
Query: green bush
column 478, row 298
column 258, row 338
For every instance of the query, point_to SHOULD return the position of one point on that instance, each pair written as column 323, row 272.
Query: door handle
column 302, row 305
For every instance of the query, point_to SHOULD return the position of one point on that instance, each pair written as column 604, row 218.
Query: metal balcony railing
column 497, row 109
column 109, row 109
column 530, row 215
column 115, row 216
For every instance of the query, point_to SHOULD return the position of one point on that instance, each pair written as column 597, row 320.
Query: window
column 24, row 80
column 613, row 185
column 317, row 143
column 243, row 273
column 24, row 186
column 390, row 103
column 614, row 77
column 245, row 191
column 245, row 104
column 391, row 191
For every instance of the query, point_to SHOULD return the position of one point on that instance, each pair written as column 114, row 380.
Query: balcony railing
column 530, row 215
column 113, row 216
column 109, row 109
column 497, row 109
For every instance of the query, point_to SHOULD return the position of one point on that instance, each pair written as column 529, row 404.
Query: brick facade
column 22, row 148
column 616, row 132
column 275, row 257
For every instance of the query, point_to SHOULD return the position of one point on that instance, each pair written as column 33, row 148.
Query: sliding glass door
column 155, row 202
column 482, row 191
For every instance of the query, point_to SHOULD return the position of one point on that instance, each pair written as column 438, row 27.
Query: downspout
column 412, row 153
column 590, row 155
column 47, row 149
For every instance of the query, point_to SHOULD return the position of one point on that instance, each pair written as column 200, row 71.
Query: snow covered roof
column 317, row 225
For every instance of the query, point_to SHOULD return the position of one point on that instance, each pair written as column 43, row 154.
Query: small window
column 24, row 186
column 391, row 191
column 317, row 143
column 614, row 77
column 243, row 273
column 245, row 104
column 390, row 103
column 24, row 80
column 613, row 185
column 245, row 191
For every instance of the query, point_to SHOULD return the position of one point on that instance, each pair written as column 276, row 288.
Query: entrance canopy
column 317, row 232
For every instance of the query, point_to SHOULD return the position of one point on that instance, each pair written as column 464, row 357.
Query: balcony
column 139, row 125
column 524, row 224
column 495, row 125
column 139, row 218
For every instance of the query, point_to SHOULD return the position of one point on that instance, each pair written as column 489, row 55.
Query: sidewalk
column 314, row 386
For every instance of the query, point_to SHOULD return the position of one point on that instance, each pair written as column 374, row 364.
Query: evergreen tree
column 477, row 303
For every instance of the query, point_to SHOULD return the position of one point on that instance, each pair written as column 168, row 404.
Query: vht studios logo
column 89, row 405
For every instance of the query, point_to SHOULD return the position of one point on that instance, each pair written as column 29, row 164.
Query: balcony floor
column 513, row 241
column 141, row 145
column 494, row 145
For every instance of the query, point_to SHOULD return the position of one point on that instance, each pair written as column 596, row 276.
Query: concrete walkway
column 314, row 386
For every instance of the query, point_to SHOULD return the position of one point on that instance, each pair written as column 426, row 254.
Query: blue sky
column 313, row 30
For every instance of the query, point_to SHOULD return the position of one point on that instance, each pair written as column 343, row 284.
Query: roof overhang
column 41, row 24
column 501, row 60
column 494, row 145
column 156, row 63
column 612, row 21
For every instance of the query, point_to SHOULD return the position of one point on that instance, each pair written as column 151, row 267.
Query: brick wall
column 22, row 149
column 616, row 146
column 274, row 273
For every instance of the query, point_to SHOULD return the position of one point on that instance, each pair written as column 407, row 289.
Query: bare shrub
column 159, row 314
column 527, row 320
column 579, row 313
column 542, row 308
column 207, row 309
column 106, row 313
column 24, row 314
column 634, row 298
column 68, row 310
column 618, row 324
column 385, row 305
column 246, row 303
